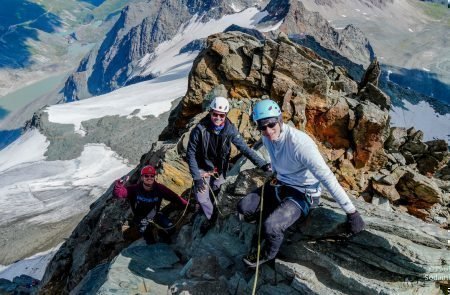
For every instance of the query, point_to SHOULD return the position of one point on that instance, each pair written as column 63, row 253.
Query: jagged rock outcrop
column 352, row 126
column 22, row 284
column 372, row 74
column 310, row 89
column 397, row 254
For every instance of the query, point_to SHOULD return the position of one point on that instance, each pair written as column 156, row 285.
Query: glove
column 199, row 185
column 355, row 222
column 119, row 183
column 120, row 190
column 266, row 167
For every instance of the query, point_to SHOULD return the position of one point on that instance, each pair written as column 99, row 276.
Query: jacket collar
column 206, row 122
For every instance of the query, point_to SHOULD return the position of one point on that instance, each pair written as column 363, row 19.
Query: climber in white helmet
column 208, row 154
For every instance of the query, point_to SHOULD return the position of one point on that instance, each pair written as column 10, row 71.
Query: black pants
column 163, row 235
column 282, row 207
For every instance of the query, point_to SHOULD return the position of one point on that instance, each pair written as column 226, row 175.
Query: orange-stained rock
column 387, row 191
column 332, row 126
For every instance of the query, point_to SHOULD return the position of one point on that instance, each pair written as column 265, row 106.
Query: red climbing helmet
column 148, row 170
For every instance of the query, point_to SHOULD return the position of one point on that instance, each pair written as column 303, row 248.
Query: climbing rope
column 179, row 219
column 216, row 201
column 258, row 251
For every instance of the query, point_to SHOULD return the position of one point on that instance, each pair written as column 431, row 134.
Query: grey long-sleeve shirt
column 298, row 163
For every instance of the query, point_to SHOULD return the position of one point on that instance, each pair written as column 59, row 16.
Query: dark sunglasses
column 218, row 115
column 270, row 125
column 148, row 176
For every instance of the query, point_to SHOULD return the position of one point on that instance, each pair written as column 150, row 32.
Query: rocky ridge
column 143, row 26
column 348, row 47
column 397, row 254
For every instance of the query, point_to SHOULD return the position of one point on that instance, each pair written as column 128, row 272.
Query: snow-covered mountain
column 41, row 42
column 73, row 151
column 50, row 201
column 410, row 38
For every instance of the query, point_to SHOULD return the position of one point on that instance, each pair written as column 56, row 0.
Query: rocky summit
column 399, row 183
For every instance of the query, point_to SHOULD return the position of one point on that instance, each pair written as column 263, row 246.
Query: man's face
column 148, row 179
column 218, row 118
column 271, row 131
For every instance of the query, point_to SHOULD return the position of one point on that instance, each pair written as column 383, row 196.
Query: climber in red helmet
column 145, row 199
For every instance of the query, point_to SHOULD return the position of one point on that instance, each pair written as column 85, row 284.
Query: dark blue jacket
column 198, row 146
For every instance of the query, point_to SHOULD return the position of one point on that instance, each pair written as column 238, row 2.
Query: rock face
column 348, row 48
column 141, row 27
column 350, row 125
column 22, row 284
column 311, row 90
column 129, row 137
column 396, row 254
column 395, row 250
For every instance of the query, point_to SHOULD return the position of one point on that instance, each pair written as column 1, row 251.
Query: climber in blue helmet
column 208, row 153
column 299, row 169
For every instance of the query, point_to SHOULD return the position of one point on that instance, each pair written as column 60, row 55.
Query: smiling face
column 148, row 180
column 270, row 127
column 218, row 118
column 271, row 131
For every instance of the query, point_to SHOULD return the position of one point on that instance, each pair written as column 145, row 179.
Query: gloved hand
column 355, row 222
column 266, row 167
column 199, row 186
column 119, row 183
column 120, row 191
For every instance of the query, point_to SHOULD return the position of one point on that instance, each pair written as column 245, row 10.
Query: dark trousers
column 280, row 210
column 164, row 222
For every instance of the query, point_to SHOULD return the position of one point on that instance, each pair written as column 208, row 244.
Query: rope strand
column 179, row 219
column 259, row 241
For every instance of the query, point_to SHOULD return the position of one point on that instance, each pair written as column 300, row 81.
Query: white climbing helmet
column 220, row 104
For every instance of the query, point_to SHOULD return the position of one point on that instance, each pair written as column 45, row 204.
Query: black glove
column 199, row 185
column 266, row 167
column 355, row 222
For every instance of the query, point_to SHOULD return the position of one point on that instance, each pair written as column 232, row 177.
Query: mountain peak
column 353, row 134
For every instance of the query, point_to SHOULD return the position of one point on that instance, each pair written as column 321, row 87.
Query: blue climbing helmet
column 266, row 109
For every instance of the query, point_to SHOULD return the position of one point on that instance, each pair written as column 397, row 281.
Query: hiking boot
column 251, row 259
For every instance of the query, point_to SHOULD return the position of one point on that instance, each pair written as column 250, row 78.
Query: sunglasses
column 270, row 125
column 218, row 115
column 148, row 176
